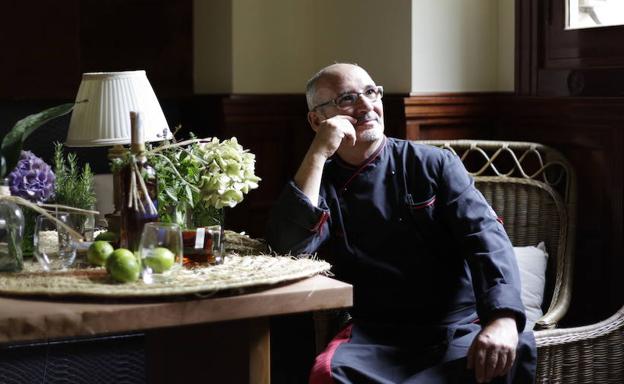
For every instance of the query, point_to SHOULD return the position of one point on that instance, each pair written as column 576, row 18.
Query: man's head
column 346, row 89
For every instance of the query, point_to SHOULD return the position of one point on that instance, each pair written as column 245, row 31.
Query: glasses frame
column 334, row 101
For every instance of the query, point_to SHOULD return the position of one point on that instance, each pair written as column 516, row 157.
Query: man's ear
column 314, row 119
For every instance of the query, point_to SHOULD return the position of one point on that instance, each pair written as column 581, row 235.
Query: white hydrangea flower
column 230, row 172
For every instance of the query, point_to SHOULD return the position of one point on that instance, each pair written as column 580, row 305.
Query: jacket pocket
column 423, row 215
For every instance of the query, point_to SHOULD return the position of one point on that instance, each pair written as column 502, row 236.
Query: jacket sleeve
column 485, row 244
column 295, row 226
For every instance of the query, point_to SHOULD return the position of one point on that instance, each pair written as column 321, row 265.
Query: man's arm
column 298, row 222
column 329, row 135
column 494, row 271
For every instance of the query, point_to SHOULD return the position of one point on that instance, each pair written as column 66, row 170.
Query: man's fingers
column 471, row 358
column 491, row 365
column 349, row 135
column 501, row 365
column 480, row 364
column 331, row 133
column 351, row 119
column 348, row 129
column 511, row 357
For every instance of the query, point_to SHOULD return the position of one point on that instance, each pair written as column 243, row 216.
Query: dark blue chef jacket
column 426, row 254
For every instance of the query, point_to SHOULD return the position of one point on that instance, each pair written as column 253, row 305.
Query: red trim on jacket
column 364, row 165
column 321, row 370
column 319, row 225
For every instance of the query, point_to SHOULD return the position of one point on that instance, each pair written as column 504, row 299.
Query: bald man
column 436, row 285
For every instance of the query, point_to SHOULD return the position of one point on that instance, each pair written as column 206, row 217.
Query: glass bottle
column 11, row 233
column 139, row 190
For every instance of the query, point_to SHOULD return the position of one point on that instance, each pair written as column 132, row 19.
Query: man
column 436, row 286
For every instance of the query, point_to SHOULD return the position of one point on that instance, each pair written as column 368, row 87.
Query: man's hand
column 331, row 133
column 493, row 351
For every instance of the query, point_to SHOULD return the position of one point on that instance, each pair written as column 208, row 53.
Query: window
column 594, row 13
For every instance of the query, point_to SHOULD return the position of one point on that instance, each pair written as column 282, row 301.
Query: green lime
column 123, row 266
column 98, row 252
column 159, row 259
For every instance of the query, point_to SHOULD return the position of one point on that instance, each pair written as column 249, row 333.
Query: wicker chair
column 534, row 189
column 589, row 354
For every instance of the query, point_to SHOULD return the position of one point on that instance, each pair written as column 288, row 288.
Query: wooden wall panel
column 275, row 129
column 449, row 116
column 48, row 45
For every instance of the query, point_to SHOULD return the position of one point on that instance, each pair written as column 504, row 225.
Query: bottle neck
column 138, row 149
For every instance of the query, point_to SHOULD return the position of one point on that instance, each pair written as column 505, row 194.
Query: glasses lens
column 371, row 94
column 346, row 100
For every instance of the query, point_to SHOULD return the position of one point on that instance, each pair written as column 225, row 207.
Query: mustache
column 370, row 116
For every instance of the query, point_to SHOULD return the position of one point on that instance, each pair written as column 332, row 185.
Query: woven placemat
column 235, row 273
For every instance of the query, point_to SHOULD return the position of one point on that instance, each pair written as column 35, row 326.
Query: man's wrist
column 504, row 316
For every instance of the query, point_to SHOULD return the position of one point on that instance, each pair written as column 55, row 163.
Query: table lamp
column 101, row 117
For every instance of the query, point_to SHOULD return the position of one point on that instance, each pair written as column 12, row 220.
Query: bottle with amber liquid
column 139, row 189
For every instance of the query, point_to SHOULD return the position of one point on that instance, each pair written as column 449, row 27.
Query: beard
column 371, row 134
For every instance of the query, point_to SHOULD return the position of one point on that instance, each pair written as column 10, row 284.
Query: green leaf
column 171, row 193
column 13, row 141
column 189, row 195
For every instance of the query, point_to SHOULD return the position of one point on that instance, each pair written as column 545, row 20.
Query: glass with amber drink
column 203, row 246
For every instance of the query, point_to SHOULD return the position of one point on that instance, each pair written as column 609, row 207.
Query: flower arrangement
column 201, row 176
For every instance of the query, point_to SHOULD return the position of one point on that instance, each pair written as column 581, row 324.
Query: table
column 241, row 319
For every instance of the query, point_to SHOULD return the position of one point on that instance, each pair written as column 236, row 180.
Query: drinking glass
column 202, row 246
column 54, row 248
column 160, row 249
column 214, row 233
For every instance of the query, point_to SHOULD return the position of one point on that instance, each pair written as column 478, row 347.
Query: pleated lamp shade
column 101, row 116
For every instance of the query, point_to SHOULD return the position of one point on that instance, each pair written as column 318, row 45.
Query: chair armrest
column 588, row 354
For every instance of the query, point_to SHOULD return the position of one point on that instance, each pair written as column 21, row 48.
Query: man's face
column 369, row 114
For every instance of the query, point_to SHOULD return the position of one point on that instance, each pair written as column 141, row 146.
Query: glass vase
column 11, row 233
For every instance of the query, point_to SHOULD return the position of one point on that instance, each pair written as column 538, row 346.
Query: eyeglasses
column 347, row 100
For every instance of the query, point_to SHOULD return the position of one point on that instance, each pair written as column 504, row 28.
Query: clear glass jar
column 11, row 233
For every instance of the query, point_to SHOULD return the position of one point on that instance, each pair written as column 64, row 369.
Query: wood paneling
column 447, row 116
column 48, row 45
column 275, row 129
column 40, row 49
